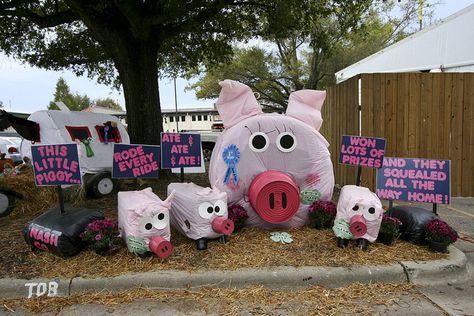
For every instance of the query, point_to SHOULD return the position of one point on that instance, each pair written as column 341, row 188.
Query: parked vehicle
column 208, row 140
column 7, row 200
column 10, row 146
column 95, row 134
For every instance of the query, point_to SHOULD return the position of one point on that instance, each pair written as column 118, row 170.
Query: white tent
column 445, row 47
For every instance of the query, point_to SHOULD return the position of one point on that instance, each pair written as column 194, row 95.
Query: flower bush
column 102, row 235
column 322, row 213
column 390, row 225
column 238, row 215
column 439, row 231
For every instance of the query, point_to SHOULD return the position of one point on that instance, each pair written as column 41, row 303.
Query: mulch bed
column 315, row 300
column 248, row 248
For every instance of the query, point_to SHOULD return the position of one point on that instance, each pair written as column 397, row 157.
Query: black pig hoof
column 363, row 244
column 342, row 243
column 201, row 244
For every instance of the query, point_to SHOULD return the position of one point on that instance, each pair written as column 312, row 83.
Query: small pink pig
column 144, row 222
column 359, row 216
column 273, row 165
column 199, row 213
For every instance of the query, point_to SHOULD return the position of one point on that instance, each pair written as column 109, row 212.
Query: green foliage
column 75, row 102
column 131, row 41
column 331, row 38
column 108, row 103
column 86, row 37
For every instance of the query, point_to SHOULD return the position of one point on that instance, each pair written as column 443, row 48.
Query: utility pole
column 421, row 14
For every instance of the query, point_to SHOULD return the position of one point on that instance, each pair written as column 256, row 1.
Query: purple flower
column 238, row 215
column 390, row 225
column 438, row 230
column 98, row 237
column 328, row 207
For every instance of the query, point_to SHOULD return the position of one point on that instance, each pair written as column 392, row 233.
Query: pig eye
column 370, row 214
column 206, row 210
column 286, row 142
column 160, row 221
column 258, row 142
column 355, row 208
column 146, row 223
column 220, row 208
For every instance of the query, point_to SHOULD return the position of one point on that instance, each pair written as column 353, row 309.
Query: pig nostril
column 271, row 200
column 283, row 200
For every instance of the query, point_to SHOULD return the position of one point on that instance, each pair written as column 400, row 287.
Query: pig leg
column 201, row 244
column 363, row 244
column 222, row 239
column 342, row 243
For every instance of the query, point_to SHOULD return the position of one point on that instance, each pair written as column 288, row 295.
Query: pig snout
column 358, row 226
column 160, row 246
column 274, row 196
column 223, row 226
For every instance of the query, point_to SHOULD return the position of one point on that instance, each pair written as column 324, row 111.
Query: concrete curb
column 452, row 269
column 279, row 277
column 22, row 288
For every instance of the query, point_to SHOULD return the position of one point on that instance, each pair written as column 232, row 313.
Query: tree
column 74, row 102
column 309, row 58
column 131, row 41
column 108, row 103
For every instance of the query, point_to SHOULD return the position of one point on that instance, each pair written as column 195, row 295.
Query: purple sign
column 362, row 151
column 136, row 161
column 414, row 179
column 180, row 150
column 56, row 164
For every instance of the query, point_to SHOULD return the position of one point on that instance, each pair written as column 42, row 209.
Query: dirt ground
column 248, row 248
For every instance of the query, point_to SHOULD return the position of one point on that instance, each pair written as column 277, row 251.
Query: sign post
column 56, row 165
column 415, row 180
column 362, row 152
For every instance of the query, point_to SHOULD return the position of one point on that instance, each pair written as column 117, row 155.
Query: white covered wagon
column 95, row 134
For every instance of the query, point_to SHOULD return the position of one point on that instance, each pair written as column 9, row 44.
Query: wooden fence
column 425, row 115
column 341, row 117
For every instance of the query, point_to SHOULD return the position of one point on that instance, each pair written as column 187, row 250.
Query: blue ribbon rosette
column 231, row 156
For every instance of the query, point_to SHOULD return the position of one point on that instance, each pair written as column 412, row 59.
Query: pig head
column 274, row 165
column 143, row 220
column 359, row 214
column 199, row 212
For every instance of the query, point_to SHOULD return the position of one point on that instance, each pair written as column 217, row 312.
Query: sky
column 28, row 89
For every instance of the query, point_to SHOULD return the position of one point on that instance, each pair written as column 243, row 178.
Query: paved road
column 453, row 299
column 457, row 299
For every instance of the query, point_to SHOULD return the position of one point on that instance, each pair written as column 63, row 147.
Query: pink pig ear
column 236, row 102
column 305, row 105
column 169, row 199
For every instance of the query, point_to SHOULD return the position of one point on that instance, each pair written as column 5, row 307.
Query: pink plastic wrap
column 143, row 220
column 361, row 211
column 268, row 159
column 199, row 212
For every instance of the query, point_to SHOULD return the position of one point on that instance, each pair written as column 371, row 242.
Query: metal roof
column 447, row 46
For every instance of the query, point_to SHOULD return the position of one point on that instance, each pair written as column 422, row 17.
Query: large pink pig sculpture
column 143, row 220
column 199, row 213
column 273, row 165
column 359, row 216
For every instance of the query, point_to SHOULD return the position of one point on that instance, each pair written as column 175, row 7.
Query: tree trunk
column 138, row 71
